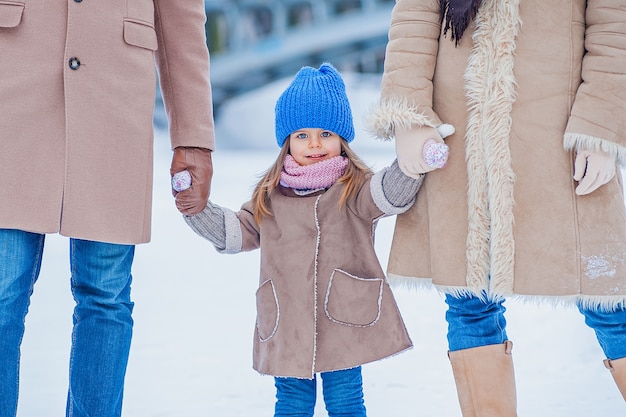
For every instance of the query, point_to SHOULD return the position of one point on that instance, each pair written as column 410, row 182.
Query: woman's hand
column 593, row 169
column 421, row 149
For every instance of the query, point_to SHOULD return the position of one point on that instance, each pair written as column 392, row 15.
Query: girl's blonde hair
column 356, row 173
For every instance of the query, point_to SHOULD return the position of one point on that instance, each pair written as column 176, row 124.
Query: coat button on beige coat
column 74, row 63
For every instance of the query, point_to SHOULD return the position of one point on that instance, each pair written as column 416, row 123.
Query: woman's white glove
column 592, row 169
column 421, row 149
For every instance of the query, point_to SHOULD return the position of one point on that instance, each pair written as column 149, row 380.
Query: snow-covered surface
column 195, row 311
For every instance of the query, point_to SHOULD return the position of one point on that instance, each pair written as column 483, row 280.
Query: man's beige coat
column 530, row 82
column 76, row 145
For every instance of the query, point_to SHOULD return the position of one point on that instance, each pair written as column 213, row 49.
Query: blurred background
column 255, row 43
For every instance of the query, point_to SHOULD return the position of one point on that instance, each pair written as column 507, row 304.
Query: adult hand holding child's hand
column 421, row 149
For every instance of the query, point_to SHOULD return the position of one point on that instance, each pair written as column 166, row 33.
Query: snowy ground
column 194, row 316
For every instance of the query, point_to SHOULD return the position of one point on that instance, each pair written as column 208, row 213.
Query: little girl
column 323, row 303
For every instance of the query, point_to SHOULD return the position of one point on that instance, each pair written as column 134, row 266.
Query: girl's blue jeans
column 343, row 395
column 100, row 283
column 474, row 322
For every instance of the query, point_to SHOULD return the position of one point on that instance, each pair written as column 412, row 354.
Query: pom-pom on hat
column 316, row 98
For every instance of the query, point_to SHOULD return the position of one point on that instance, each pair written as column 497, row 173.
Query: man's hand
column 198, row 162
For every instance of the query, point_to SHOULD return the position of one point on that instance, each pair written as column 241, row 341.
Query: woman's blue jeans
column 100, row 283
column 343, row 395
column 474, row 322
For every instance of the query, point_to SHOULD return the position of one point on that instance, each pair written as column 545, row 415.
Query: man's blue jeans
column 343, row 395
column 100, row 282
column 474, row 322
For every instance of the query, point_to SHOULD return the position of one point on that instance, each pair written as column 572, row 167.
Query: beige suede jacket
column 323, row 301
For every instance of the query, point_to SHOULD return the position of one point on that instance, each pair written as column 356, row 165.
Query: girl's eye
column 326, row 134
column 301, row 136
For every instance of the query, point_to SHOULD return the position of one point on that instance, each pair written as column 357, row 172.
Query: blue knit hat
column 316, row 98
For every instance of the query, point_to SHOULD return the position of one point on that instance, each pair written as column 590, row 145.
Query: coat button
column 74, row 63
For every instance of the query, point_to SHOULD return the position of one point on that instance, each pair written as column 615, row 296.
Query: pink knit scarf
column 321, row 174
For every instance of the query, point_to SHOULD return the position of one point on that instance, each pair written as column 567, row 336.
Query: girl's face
column 311, row 145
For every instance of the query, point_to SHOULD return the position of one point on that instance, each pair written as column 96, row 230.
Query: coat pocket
column 140, row 34
column 10, row 13
column 353, row 301
column 267, row 311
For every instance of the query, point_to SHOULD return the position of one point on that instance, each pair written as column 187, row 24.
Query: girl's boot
column 618, row 370
column 485, row 380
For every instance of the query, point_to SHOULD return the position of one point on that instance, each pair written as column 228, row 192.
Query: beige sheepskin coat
column 529, row 83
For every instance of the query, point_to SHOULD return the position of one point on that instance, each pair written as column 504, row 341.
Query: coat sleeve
column 398, row 189
column 597, row 119
column 183, row 64
column 229, row 232
column 250, row 229
column 407, row 88
column 219, row 226
column 388, row 192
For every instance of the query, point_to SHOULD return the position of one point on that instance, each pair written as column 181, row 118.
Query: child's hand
column 181, row 181
column 421, row 149
column 435, row 153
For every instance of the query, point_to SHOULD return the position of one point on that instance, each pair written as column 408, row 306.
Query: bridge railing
column 234, row 25
column 266, row 40
column 253, row 42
